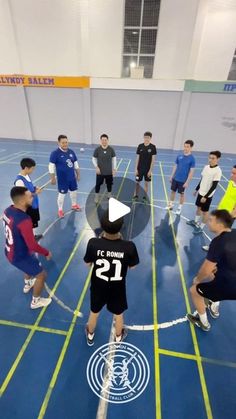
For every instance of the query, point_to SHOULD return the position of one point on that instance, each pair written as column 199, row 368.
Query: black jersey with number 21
column 111, row 259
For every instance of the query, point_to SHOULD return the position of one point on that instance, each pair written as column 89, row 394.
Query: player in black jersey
column 111, row 257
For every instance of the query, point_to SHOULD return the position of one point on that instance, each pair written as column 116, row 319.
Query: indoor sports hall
column 84, row 68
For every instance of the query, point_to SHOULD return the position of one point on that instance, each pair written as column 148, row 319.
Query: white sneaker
column 42, row 302
column 206, row 248
column 28, row 285
column 178, row 211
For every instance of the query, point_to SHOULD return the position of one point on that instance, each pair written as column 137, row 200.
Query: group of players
column 110, row 255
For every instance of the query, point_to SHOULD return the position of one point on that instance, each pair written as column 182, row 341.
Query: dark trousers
column 99, row 181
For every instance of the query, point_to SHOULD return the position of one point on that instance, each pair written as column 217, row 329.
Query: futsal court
column 44, row 353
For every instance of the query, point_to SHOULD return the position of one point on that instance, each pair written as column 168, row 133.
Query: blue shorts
column 63, row 186
column 176, row 185
column 30, row 265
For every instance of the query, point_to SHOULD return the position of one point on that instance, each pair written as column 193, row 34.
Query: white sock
column 215, row 305
column 197, row 218
column 27, row 281
column 35, row 299
column 73, row 197
column 60, row 200
column 203, row 318
column 180, row 206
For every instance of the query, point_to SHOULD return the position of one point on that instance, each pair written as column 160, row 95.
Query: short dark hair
column 216, row 153
column 234, row 167
column 104, row 136
column 111, row 227
column 17, row 192
column 27, row 162
column 61, row 137
column 224, row 217
column 190, row 142
column 147, row 134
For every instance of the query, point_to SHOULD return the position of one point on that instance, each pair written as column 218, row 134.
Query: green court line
column 30, row 326
column 155, row 319
column 69, row 335
column 187, row 303
column 40, row 316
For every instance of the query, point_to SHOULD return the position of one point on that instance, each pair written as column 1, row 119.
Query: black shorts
column 116, row 302
column 176, row 185
column 217, row 290
column 143, row 174
column 204, row 207
column 34, row 215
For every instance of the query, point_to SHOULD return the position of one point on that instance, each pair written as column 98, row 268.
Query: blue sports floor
column 43, row 353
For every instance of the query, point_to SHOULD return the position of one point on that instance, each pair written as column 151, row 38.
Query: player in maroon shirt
column 21, row 245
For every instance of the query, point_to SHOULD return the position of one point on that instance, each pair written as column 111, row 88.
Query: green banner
column 210, row 86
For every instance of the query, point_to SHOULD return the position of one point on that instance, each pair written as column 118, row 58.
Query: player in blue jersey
column 181, row 175
column 23, row 179
column 21, row 245
column 64, row 164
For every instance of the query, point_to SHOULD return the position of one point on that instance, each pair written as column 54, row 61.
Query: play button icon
column 136, row 213
column 117, row 210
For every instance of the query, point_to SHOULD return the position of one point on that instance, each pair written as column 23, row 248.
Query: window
column 140, row 34
column 232, row 71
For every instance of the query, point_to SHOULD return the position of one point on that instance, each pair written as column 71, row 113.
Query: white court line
column 16, row 155
column 165, row 325
column 40, row 177
column 225, row 178
column 2, row 150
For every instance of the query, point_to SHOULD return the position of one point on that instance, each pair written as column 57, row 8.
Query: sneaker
column 195, row 320
column 109, row 195
column 206, row 248
column 119, row 339
column 178, row 211
column 96, row 199
column 135, row 198
column 61, row 214
column 145, row 201
column 38, row 237
column 89, row 337
column 197, row 230
column 191, row 223
column 76, row 207
column 213, row 312
column 42, row 302
column 28, row 285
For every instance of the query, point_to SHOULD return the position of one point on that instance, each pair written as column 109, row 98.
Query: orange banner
column 43, row 81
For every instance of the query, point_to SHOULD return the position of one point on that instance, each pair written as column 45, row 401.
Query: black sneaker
column 119, row 339
column 145, row 201
column 89, row 337
column 214, row 313
column 195, row 320
column 135, row 198
column 191, row 223
column 38, row 237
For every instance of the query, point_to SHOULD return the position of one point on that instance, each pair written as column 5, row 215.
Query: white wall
column 211, row 122
column 126, row 114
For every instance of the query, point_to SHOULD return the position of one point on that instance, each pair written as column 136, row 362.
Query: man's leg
column 37, row 300
column 60, row 203
column 29, row 283
column 200, row 317
column 99, row 182
column 92, row 322
column 171, row 200
column 109, row 183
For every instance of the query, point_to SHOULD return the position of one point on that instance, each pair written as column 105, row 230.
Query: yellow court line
column 187, row 302
column 39, row 318
column 192, row 357
column 155, row 321
column 69, row 335
column 30, row 326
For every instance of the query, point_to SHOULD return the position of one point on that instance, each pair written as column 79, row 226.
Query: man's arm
column 27, row 232
column 77, row 169
column 136, row 165
column 173, row 172
column 152, row 164
column 190, row 175
column 207, row 269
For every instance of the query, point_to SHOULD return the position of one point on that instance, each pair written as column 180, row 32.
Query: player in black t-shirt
column 144, row 163
column 111, row 257
column 219, row 267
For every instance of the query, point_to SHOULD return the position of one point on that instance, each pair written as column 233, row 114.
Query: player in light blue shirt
column 63, row 162
column 181, row 175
